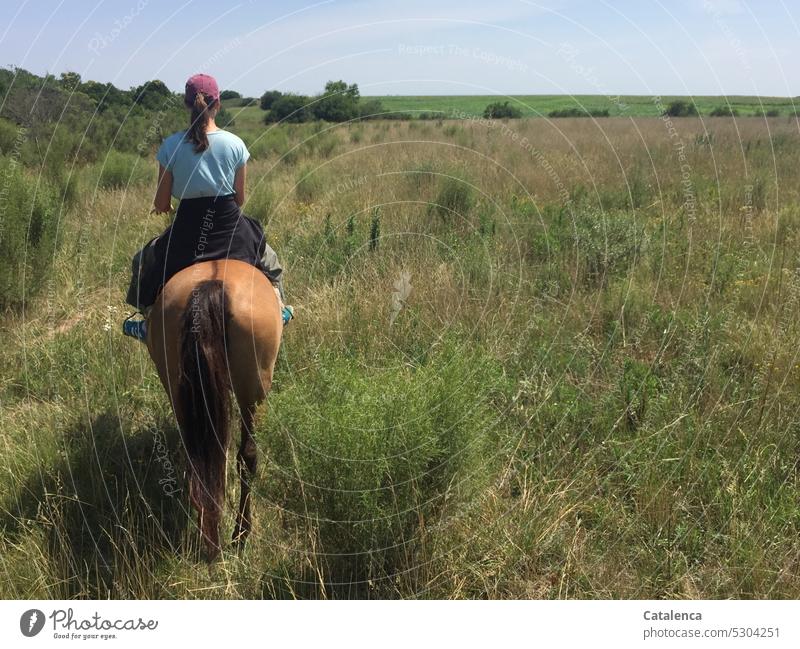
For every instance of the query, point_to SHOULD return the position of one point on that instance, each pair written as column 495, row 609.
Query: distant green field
column 541, row 105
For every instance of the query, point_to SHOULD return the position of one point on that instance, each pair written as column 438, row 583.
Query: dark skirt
column 204, row 229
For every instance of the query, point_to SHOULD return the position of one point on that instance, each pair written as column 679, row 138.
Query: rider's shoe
column 135, row 329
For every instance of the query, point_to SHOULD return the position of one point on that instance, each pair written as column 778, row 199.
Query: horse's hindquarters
column 215, row 326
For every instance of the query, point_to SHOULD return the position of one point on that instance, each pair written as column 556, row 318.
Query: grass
column 585, row 386
column 541, row 105
column 251, row 118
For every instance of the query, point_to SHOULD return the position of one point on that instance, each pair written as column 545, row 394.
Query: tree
column 681, row 108
column 229, row 94
column 269, row 98
column 290, row 108
column 152, row 95
column 499, row 110
column 338, row 103
column 70, row 80
column 105, row 95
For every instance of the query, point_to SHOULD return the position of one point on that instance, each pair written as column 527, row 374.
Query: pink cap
column 201, row 83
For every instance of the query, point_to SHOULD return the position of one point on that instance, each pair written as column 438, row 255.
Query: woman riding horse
column 205, row 168
column 210, row 288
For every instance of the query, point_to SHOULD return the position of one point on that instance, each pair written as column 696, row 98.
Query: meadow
column 531, row 359
column 617, row 106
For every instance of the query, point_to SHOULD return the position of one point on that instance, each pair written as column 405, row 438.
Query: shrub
column 500, row 110
column 225, row 118
column 375, row 229
column 269, row 142
column 421, row 177
column 455, row 198
column 229, row 94
column 275, row 142
column 309, row 184
column 579, row 112
column 372, row 458
column 244, row 102
column 338, row 103
column 289, row 108
column 11, row 136
column 323, row 144
column 269, row 98
column 724, row 111
column 607, row 244
column 29, row 217
column 356, row 135
column 371, row 109
column 680, row 108
column 119, row 170
column 600, row 245
column 152, row 95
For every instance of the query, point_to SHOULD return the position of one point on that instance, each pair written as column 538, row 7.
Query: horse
column 214, row 329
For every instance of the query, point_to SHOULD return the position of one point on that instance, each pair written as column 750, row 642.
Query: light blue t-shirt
column 209, row 173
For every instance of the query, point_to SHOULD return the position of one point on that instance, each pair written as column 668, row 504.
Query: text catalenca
column 671, row 615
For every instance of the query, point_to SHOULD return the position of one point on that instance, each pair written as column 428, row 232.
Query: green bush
column 579, row 112
column 681, row 108
column 120, row 170
column 371, row 109
column 28, row 223
column 338, row 103
column 289, row 108
column 367, row 459
column 269, row 98
column 607, row 244
column 229, row 94
column 323, row 144
column 225, row 118
column 275, row 142
column 599, row 245
column 310, row 184
column 724, row 111
column 11, row 137
column 500, row 110
column 455, row 198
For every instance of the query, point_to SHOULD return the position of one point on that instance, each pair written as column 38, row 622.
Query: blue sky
column 720, row 47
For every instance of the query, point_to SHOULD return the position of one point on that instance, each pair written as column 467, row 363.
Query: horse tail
column 204, row 400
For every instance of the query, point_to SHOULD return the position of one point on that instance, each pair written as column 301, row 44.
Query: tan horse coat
column 216, row 327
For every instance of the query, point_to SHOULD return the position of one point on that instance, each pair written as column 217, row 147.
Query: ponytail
column 199, row 122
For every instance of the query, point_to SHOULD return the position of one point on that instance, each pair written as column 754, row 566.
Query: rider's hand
column 156, row 210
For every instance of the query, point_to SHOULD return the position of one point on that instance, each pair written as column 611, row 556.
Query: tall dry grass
column 588, row 389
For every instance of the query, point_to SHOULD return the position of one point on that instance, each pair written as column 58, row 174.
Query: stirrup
column 135, row 328
column 287, row 313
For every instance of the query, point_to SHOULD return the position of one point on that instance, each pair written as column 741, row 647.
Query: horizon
column 43, row 74
column 694, row 48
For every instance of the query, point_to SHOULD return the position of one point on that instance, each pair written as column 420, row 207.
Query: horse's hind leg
column 246, row 460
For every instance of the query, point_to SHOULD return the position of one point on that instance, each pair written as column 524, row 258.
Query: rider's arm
column 163, row 200
column 238, row 184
